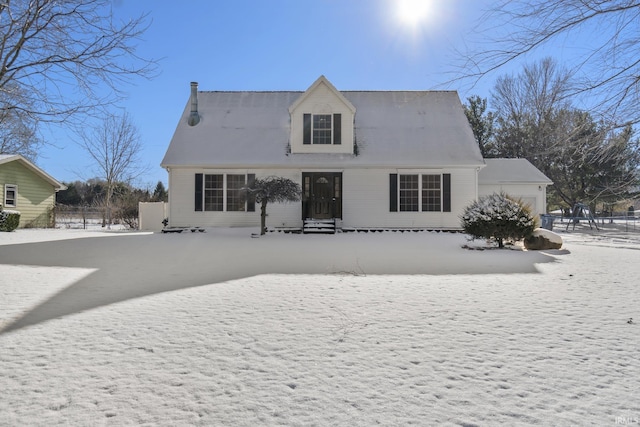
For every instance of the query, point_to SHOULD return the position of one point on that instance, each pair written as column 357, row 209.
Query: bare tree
column 586, row 160
column 18, row 132
column 607, row 66
column 57, row 56
column 525, row 106
column 115, row 147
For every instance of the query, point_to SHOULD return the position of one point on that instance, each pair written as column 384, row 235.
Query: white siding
column 365, row 195
column 322, row 101
column 366, row 199
column 182, row 211
column 533, row 194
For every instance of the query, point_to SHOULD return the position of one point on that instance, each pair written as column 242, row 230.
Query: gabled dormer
column 322, row 121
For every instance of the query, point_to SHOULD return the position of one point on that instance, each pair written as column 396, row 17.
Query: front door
column 322, row 195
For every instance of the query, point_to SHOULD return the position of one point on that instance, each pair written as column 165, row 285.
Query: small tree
column 115, row 148
column 272, row 189
column 498, row 217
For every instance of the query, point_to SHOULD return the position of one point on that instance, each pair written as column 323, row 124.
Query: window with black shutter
column 198, row 192
column 337, row 129
column 322, row 129
column 446, row 192
column 393, row 192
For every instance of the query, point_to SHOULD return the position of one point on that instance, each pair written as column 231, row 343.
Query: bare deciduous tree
column 18, row 132
column 115, row 147
column 606, row 62
column 525, row 106
column 56, row 57
column 586, row 159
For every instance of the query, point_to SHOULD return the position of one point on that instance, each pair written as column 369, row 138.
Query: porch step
column 311, row 225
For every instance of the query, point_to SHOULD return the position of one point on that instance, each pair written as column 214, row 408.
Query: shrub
column 9, row 220
column 498, row 217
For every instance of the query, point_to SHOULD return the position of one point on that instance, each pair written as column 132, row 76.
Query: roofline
column 60, row 186
column 322, row 80
column 320, row 166
column 340, row 91
column 547, row 182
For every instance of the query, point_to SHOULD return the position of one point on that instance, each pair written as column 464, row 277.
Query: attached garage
column 517, row 178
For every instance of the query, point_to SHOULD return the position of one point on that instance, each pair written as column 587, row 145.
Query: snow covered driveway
column 349, row 329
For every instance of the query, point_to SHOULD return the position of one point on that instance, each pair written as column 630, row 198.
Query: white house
column 387, row 159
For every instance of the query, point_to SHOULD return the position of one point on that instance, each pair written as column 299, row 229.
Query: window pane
column 10, row 195
column 235, row 201
column 431, row 193
column 213, row 193
column 322, row 128
column 409, row 193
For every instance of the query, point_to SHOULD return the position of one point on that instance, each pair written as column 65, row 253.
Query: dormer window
column 322, row 129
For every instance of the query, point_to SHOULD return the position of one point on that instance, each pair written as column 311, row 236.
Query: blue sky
column 274, row 45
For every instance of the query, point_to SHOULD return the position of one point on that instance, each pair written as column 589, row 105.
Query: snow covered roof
column 512, row 171
column 392, row 129
column 6, row 158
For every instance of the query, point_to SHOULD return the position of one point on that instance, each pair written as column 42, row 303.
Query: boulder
column 542, row 239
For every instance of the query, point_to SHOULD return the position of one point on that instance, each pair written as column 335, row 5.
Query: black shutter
column 446, row 192
column 251, row 198
column 393, row 192
column 337, row 129
column 306, row 129
column 198, row 198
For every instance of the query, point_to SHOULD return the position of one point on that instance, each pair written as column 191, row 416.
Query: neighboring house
column 517, row 178
column 29, row 190
column 387, row 159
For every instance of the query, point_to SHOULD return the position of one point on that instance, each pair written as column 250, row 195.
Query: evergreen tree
column 497, row 217
column 481, row 122
column 160, row 194
column 272, row 190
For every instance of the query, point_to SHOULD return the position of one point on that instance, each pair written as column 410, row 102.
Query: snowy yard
column 222, row 329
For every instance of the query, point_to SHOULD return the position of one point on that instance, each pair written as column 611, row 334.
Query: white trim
column 420, row 192
column 8, row 187
column 225, row 191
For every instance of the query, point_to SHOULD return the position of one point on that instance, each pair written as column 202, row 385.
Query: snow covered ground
column 219, row 328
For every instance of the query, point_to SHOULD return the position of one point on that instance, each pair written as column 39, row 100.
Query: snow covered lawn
column 219, row 328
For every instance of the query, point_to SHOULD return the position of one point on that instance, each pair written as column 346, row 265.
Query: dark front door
column 322, row 195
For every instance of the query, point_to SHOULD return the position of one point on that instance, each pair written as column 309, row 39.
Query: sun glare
column 414, row 12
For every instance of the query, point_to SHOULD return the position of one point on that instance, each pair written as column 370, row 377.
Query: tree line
column 120, row 206
column 532, row 116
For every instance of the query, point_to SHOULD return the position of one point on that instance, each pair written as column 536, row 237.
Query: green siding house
column 29, row 190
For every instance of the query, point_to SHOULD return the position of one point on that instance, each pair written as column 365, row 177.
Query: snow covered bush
column 498, row 217
column 9, row 220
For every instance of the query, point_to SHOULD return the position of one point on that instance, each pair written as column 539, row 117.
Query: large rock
column 543, row 239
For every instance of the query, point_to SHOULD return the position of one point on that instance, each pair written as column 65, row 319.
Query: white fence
column 151, row 215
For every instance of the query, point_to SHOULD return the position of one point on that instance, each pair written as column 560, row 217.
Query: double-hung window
column 223, row 192
column 420, row 193
column 10, row 195
column 235, row 201
column 322, row 129
column 431, row 194
column 214, row 192
column 409, row 193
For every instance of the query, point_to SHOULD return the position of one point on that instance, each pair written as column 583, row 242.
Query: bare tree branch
column 60, row 55
column 607, row 66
